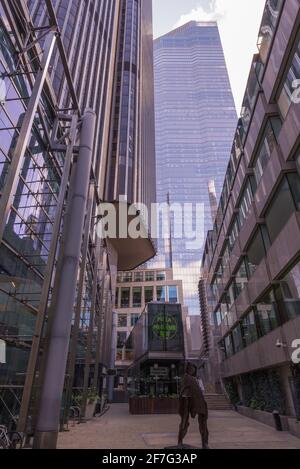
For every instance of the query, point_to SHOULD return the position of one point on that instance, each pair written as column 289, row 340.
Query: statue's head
column 191, row 369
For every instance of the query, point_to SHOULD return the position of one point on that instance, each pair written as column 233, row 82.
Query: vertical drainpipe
column 65, row 291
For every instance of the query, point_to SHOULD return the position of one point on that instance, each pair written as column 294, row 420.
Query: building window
column 267, row 318
column 125, row 297
column 224, row 308
column 161, row 294
column 137, row 297
column 246, row 203
column 121, row 339
column 256, row 253
column 173, row 297
column 231, row 294
column 269, row 141
column 290, row 89
column 268, row 25
column 119, row 277
column 149, row 277
column 127, row 277
column 117, row 297
column 217, row 318
column 122, row 320
column 290, row 288
column 161, row 276
column 249, row 330
column 233, row 234
column 134, row 319
column 284, row 204
column 228, row 346
column 237, row 339
column 148, row 294
column 241, row 279
column 226, row 257
column 138, row 277
column 219, row 275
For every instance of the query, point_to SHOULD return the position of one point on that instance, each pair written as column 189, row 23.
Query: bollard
column 277, row 420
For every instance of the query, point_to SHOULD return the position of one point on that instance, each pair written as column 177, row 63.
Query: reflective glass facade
column 195, row 123
column 36, row 200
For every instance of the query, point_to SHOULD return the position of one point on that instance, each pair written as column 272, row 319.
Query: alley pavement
column 117, row 429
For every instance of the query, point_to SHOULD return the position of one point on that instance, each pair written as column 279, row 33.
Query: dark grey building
column 251, row 260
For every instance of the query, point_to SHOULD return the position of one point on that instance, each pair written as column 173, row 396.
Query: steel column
column 12, row 179
column 78, row 308
column 65, row 292
column 88, row 357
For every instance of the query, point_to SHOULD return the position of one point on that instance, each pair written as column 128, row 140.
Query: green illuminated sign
column 165, row 326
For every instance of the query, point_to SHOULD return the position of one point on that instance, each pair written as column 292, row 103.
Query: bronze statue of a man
column 192, row 402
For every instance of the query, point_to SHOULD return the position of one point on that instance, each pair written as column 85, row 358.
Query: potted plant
column 92, row 399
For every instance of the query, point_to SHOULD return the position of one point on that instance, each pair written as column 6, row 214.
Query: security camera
column 280, row 344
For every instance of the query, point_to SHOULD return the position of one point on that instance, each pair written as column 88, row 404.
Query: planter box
column 147, row 405
column 90, row 410
column 263, row 417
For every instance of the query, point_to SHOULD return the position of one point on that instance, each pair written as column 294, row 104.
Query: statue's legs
column 202, row 419
column 184, row 424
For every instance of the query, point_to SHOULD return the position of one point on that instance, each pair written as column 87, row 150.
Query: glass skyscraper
column 195, row 123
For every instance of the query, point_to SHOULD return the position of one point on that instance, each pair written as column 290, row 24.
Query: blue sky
column 238, row 21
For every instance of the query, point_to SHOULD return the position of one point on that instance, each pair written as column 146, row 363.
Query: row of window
column 133, row 297
column 289, row 94
column 285, row 202
column 127, row 320
column 141, row 276
column 280, row 305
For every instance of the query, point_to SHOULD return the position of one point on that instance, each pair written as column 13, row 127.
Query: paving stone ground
column 117, row 429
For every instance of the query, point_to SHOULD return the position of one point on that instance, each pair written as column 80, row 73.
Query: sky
column 238, row 20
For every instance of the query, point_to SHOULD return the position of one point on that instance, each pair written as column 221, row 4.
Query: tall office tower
column 62, row 67
column 195, row 122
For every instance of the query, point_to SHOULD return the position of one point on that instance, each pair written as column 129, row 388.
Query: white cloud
column 239, row 22
column 214, row 12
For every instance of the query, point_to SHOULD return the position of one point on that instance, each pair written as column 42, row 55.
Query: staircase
column 217, row 402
